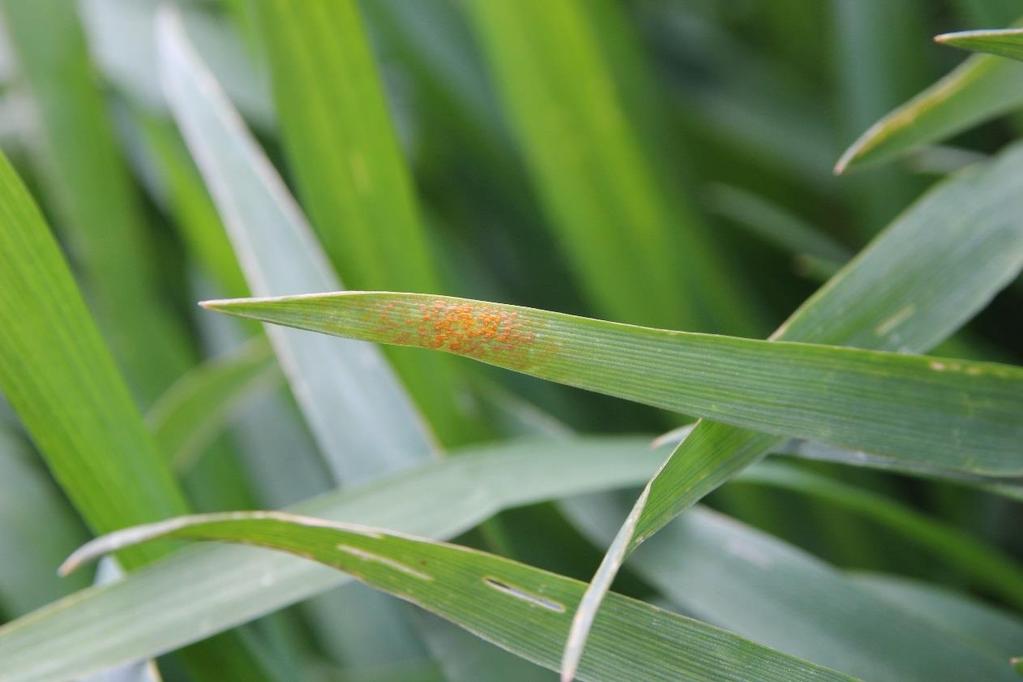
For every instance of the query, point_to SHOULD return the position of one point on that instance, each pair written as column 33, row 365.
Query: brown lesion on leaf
column 476, row 330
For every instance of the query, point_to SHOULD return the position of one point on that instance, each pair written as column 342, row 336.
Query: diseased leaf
column 902, row 406
column 155, row 611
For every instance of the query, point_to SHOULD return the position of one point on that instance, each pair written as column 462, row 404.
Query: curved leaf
column 520, row 608
column 981, row 88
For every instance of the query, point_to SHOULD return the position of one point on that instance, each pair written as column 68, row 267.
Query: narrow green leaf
column 960, row 415
column 95, row 199
column 1004, row 42
column 54, row 364
column 921, row 279
column 61, row 380
column 981, row 88
column 357, row 409
column 192, row 412
column 356, row 437
column 520, row 608
column 595, row 151
column 155, row 611
column 720, row 570
column 871, row 36
column 352, row 177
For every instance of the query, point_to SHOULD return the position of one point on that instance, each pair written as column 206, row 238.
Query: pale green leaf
column 357, row 409
column 987, row 626
column 120, row 36
column 155, row 611
column 264, row 223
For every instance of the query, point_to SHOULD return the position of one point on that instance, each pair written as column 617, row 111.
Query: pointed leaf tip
column 1007, row 42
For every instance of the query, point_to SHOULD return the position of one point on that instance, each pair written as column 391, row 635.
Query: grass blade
column 902, row 406
column 1004, row 42
column 53, row 362
column 351, row 175
column 739, row 578
column 523, row 609
column 263, row 223
column 933, row 258
column 981, row 88
column 592, row 148
column 155, row 611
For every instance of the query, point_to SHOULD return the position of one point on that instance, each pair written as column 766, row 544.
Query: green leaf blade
column 520, row 608
column 981, row 88
column 53, row 362
column 894, row 404
column 1004, row 43
column 352, row 177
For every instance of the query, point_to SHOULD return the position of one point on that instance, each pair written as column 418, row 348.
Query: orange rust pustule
column 478, row 331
